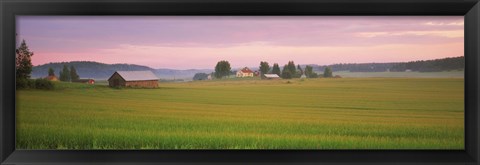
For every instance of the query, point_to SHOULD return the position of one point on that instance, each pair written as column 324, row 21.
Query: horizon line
column 247, row 66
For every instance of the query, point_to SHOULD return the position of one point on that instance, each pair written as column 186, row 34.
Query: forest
column 437, row 65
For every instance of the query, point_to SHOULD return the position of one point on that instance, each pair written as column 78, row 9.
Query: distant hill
column 101, row 71
column 179, row 74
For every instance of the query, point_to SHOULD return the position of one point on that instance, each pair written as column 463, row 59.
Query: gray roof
column 271, row 76
column 137, row 75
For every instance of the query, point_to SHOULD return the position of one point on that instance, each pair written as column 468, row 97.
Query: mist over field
column 448, row 67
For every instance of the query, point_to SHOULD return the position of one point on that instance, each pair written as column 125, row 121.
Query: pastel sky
column 198, row 42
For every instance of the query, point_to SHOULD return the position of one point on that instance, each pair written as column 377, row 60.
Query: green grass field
column 345, row 113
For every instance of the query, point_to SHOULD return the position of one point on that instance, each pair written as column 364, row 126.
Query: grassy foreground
column 346, row 113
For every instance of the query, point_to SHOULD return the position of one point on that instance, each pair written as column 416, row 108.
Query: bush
column 200, row 76
column 297, row 75
column 22, row 83
column 286, row 75
column 31, row 84
column 313, row 75
column 43, row 84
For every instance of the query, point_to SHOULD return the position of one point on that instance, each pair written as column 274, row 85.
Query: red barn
column 133, row 79
column 86, row 81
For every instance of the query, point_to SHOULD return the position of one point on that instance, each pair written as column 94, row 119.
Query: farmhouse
column 245, row 72
column 86, row 81
column 52, row 78
column 133, row 79
column 271, row 76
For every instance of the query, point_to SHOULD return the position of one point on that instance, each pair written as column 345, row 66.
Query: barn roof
column 137, row 75
column 246, row 70
column 271, row 76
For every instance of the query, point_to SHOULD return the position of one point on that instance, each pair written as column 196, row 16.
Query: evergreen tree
column 65, row 74
column 327, row 72
column 276, row 69
column 299, row 69
column 299, row 72
column 23, row 65
column 286, row 74
column 264, row 68
column 73, row 74
column 23, row 61
column 51, row 72
column 291, row 67
column 309, row 72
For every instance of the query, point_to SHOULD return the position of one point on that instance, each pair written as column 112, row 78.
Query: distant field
column 345, row 113
column 446, row 74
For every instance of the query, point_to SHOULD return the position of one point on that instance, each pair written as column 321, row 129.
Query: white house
column 245, row 72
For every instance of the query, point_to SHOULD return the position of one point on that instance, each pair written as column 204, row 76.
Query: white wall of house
column 241, row 74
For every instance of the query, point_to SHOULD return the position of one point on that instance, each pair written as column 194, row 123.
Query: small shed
column 86, row 81
column 144, row 79
column 271, row 76
column 52, row 78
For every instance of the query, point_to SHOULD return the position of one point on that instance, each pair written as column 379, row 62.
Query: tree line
column 437, row 65
column 290, row 70
column 445, row 64
column 67, row 75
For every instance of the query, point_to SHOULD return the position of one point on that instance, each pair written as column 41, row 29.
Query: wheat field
column 343, row 113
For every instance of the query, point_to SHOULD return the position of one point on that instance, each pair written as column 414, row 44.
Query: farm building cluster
column 144, row 79
column 147, row 79
column 242, row 73
column 246, row 72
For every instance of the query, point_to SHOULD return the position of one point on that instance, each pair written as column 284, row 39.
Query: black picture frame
column 470, row 9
